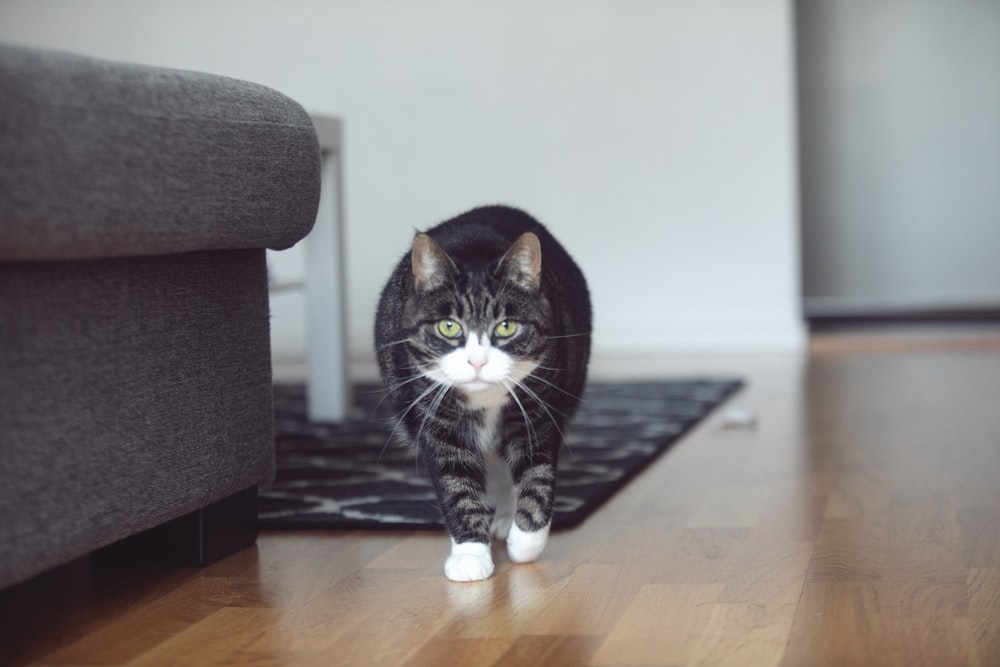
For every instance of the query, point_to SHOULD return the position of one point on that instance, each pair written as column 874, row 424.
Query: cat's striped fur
column 483, row 338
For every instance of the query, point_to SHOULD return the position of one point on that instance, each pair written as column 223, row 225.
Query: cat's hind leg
column 502, row 496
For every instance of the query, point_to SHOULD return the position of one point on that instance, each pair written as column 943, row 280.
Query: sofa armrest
column 102, row 159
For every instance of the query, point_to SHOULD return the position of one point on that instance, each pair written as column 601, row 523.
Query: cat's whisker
column 389, row 391
column 534, row 395
column 529, row 429
column 548, row 409
column 400, row 420
column 554, row 386
column 573, row 335
column 430, row 413
column 386, row 346
column 432, row 409
column 402, row 383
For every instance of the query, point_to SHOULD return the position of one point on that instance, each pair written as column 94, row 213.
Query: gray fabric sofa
column 135, row 377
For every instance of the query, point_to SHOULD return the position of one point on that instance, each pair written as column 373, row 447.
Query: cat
column 483, row 338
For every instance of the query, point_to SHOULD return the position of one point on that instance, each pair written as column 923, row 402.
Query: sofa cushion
column 103, row 159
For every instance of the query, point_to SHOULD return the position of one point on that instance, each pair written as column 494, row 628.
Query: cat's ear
column 431, row 265
column 523, row 261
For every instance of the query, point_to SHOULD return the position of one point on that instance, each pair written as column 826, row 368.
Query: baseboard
column 838, row 319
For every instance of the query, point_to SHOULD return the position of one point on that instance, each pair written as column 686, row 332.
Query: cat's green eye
column 449, row 328
column 505, row 329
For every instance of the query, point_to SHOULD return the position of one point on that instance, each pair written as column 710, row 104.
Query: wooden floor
column 857, row 524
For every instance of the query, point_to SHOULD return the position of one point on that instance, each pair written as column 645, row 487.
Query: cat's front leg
column 469, row 561
column 529, row 531
column 459, row 478
column 524, row 546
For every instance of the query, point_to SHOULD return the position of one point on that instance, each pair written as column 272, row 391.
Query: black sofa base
column 205, row 535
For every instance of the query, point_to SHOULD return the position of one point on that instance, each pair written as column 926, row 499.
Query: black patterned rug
column 353, row 476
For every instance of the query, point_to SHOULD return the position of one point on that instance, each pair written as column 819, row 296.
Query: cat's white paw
column 470, row 561
column 524, row 547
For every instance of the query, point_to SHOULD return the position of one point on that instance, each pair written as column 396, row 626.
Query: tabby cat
column 483, row 339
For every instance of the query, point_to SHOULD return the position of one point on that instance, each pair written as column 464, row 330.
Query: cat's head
column 478, row 325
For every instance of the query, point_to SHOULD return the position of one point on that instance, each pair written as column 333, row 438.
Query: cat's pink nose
column 477, row 364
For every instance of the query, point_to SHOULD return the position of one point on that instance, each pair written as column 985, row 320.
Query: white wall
column 656, row 139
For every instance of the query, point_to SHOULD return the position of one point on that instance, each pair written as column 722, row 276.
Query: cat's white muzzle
column 478, row 367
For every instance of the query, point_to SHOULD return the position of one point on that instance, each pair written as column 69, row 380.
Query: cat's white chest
column 491, row 398
column 488, row 430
